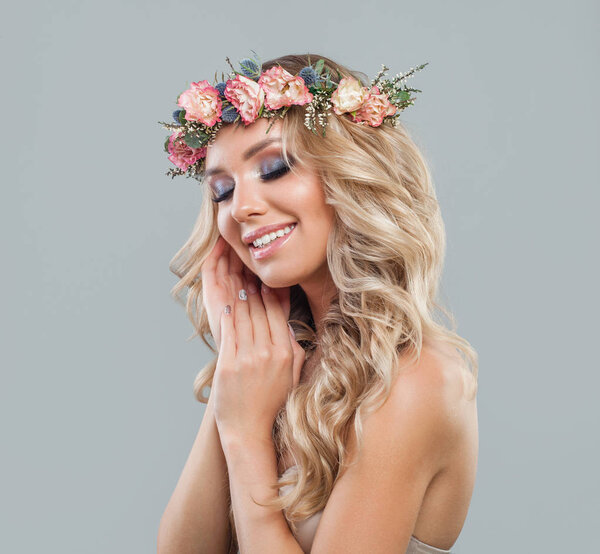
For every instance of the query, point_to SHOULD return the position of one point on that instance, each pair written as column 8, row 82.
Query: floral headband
column 251, row 93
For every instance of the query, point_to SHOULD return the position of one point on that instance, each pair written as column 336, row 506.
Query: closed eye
column 270, row 176
column 278, row 172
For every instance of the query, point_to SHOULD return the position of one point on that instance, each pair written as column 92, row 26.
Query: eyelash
column 267, row 177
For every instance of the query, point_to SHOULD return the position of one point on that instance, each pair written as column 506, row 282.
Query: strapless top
column 307, row 529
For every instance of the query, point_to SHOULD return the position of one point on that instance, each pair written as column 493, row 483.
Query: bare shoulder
column 436, row 394
column 409, row 477
column 428, row 423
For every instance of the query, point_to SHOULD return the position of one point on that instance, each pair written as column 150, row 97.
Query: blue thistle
column 309, row 75
column 176, row 115
column 229, row 114
column 249, row 68
column 221, row 88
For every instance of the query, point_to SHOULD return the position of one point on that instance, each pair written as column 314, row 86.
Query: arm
column 252, row 468
column 375, row 502
column 196, row 519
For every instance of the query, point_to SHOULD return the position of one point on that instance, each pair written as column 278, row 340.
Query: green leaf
column 193, row 140
column 182, row 118
column 167, row 145
column 319, row 66
column 402, row 95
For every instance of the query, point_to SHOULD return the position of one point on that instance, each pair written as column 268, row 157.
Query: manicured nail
column 227, row 309
column 252, row 287
column 242, row 295
column 265, row 288
column 292, row 331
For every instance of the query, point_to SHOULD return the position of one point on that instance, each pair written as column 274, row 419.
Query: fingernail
column 292, row 331
column 242, row 295
column 227, row 309
column 252, row 287
column 265, row 288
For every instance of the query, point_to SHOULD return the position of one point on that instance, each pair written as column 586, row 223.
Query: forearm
column 252, row 467
column 196, row 519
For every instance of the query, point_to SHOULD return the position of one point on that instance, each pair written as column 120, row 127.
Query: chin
column 277, row 279
column 278, row 282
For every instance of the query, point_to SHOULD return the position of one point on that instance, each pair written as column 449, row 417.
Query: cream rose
column 348, row 96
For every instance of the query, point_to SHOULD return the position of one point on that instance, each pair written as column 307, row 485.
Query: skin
column 419, row 475
column 255, row 203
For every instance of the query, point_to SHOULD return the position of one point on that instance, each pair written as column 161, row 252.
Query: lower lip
column 260, row 253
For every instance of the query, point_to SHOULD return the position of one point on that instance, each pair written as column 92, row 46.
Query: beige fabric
column 308, row 528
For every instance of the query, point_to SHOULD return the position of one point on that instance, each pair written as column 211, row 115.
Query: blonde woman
column 342, row 413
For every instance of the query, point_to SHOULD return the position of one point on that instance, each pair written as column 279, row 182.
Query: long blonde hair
column 385, row 255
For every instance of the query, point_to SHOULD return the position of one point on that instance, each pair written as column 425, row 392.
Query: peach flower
column 183, row 155
column 348, row 96
column 283, row 89
column 246, row 96
column 201, row 103
column 375, row 108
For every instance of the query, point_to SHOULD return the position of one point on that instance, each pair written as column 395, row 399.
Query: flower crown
column 250, row 93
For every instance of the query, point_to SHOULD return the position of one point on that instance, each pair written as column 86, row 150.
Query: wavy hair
column 385, row 255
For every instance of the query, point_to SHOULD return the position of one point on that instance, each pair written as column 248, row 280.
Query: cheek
column 222, row 224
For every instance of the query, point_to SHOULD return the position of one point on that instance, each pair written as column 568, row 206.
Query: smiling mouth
column 269, row 238
column 281, row 237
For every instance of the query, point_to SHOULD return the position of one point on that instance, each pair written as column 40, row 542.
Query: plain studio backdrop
column 97, row 410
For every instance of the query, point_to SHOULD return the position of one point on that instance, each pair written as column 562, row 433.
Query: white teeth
column 266, row 239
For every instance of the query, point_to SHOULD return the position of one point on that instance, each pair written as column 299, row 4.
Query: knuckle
column 284, row 354
column 263, row 355
column 245, row 361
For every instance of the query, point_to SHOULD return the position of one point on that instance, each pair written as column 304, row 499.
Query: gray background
column 97, row 411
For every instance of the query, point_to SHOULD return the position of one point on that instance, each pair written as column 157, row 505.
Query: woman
column 356, row 429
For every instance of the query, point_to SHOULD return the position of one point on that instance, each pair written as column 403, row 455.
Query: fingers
column 243, row 323
column 275, row 316
column 222, row 269
column 283, row 295
column 299, row 358
column 228, row 346
column 235, row 264
column 210, row 264
column 258, row 315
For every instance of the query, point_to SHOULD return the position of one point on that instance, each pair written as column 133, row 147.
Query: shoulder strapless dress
column 308, row 528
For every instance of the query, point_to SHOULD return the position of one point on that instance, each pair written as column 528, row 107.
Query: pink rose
column 348, row 96
column 201, row 103
column 183, row 155
column 375, row 108
column 246, row 96
column 283, row 89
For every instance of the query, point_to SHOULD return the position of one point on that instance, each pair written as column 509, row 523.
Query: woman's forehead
column 237, row 142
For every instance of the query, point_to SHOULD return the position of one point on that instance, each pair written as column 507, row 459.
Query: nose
column 247, row 199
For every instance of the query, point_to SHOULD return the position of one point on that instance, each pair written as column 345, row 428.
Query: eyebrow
column 254, row 149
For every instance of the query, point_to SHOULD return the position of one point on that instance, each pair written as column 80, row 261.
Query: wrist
column 235, row 442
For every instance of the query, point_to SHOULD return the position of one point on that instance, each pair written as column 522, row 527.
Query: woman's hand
column 218, row 288
column 259, row 360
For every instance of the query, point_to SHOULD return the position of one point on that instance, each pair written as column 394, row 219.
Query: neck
column 319, row 293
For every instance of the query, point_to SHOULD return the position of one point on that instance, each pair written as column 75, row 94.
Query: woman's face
column 246, row 171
